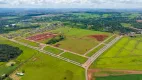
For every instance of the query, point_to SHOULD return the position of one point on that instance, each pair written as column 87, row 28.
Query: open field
column 77, row 40
column 28, row 42
column 74, row 57
column 53, row 50
column 125, row 54
column 42, row 63
column 6, row 69
column 44, row 67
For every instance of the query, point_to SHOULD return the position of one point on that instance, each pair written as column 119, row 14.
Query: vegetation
column 28, row 42
column 8, row 52
column 51, row 67
column 126, row 52
column 53, row 50
column 77, row 40
column 74, row 57
column 122, row 77
column 56, row 39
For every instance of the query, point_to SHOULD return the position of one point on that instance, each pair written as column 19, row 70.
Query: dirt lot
column 100, row 37
column 42, row 36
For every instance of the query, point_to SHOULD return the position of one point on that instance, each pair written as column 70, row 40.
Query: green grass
column 126, row 24
column 95, row 50
column 6, row 69
column 123, row 55
column 44, row 67
column 122, row 77
column 53, row 50
column 77, row 40
column 74, row 57
column 27, row 52
column 28, row 42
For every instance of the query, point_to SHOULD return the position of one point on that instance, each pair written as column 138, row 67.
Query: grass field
column 27, row 42
column 125, row 54
column 53, row 50
column 77, row 40
column 123, row 77
column 74, row 57
column 43, row 66
column 6, row 69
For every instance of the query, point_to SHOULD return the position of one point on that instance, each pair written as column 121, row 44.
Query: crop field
column 126, row 54
column 79, row 40
column 42, row 65
column 122, row 77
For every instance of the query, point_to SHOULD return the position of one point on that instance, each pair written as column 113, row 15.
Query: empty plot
column 53, row 50
column 28, row 42
column 74, row 57
column 44, row 67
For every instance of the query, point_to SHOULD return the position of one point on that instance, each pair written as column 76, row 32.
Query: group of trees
column 56, row 39
column 8, row 52
column 106, row 21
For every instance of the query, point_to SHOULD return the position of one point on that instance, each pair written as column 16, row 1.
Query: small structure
column 20, row 74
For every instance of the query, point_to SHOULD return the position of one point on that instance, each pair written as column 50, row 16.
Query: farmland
column 126, row 52
column 124, row 77
column 124, row 55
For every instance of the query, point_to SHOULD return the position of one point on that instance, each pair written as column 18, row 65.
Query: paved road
column 97, row 54
column 98, row 45
column 60, row 49
column 49, row 53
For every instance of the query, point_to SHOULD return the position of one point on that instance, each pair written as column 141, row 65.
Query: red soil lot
column 42, row 36
column 99, row 37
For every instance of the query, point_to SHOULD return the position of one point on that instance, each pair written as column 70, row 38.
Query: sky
column 70, row 3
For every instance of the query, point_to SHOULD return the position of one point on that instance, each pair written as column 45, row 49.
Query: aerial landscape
column 70, row 40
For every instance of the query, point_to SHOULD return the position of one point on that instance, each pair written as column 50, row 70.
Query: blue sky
column 70, row 3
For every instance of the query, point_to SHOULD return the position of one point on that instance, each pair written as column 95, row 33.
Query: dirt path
column 123, row 72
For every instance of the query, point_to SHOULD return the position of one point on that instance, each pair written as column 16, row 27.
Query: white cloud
column 66, row 3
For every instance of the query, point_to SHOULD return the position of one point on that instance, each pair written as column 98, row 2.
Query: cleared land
column 125, row 54
column 77, row 40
